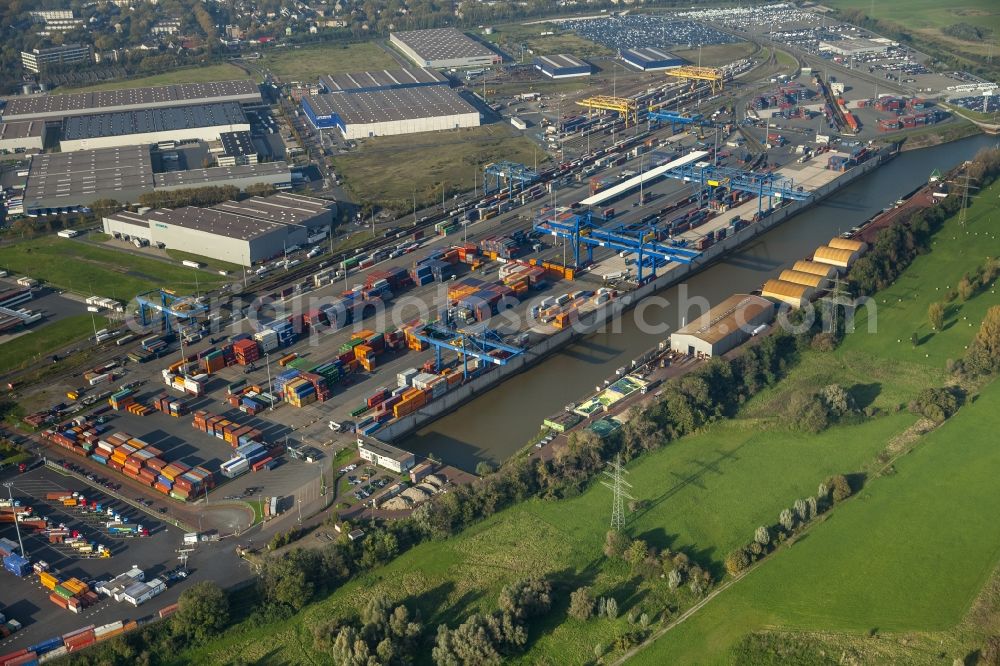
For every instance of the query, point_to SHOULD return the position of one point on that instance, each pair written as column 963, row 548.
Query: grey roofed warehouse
column 242, row 232
column 443, row 47
column 386, row 112
column 562, row 65
column 70, row 181
column 382, row 79
column 72, row 104
column 198, row 121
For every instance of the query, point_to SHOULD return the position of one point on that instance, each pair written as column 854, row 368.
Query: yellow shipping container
column 47, row 580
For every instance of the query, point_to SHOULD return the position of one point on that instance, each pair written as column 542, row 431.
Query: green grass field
column 928, row 17
column 705, row 496
column 308, row 63
column 902, row 308
column 42, row 340
column 219, row 72
column 211, row 264
column 388, row 169
column 910, row 554
column 91, row 270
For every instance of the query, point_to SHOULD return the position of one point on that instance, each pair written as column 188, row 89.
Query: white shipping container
column 99, row 379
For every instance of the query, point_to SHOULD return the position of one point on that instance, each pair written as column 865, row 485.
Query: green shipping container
column 360, row 410
column 63, row 592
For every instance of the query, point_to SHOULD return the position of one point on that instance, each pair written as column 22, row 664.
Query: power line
column 618, row 485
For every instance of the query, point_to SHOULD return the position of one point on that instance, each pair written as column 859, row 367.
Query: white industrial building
column 856, row 46
column 244, row 232
column 723, row 327
column 443, row 47
column 21, row 136
column 196, row 122
column 386, row 455
column 389, row 112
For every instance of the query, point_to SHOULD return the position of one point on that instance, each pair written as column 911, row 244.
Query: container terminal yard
column 211, row 418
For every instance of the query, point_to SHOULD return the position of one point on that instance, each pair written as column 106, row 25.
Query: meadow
column 388, row 169
column 88, row 269
column 908, row 554
column 45, row 339
column 308, row 63
column 206, row 74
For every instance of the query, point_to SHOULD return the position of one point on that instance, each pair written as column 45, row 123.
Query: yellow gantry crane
column 626, row 108
column 714, row 76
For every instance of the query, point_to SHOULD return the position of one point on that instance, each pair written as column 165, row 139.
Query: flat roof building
column 56, row 107
column 443, row 47
column 383, row 79
column 856, row 46
column 389, row 112
column 202, row 122
column 22, row 135
column 650, row 59
column 796, row 295
column 240, row 175
column 386, row 455
column 240, row 232
column 235, row 148
column 37, row 60
column 562, row 66
column 68, row 182
column 723, row 327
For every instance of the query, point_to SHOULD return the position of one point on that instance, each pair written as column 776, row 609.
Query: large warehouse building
column 650, row 59
column 443, row 47
column 388, row 112
column 562, row 66
column 57, row 107
column 723, row 327
column 22, row 135
column 203, row 122
column 67, row 182
column 244, row 232
column 383, row 79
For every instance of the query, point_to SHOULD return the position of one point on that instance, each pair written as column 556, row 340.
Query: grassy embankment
column 92, row 270
column 41, row 341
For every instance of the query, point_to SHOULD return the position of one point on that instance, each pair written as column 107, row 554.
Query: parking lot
column 27, row 601
column 639, row 30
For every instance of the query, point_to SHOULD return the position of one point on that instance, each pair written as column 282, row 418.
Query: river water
column 498, row 423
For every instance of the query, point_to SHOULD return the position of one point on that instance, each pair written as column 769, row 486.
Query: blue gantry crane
column 441, row 337
column 674, row 118
column 496, row 174
column 170, row 305
column 763, row 184
column 581, row 232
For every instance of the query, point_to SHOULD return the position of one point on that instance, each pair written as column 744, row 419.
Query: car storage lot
column 25, row 600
